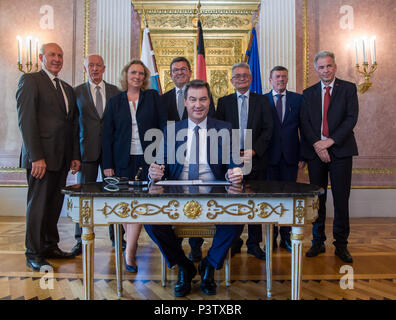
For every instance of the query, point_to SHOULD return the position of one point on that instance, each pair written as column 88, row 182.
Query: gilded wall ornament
column 192, row 209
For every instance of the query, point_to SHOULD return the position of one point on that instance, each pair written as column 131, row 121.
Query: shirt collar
column 274, row 93
column 50, row 75
column 246, row 94
column 331, row 85
column 94, row 85
column 178, row 89
column 202, row 125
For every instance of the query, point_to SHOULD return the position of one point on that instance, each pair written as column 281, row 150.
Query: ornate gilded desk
column 293, row 204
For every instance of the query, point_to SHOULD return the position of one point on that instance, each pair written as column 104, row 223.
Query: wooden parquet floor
column 372, row 245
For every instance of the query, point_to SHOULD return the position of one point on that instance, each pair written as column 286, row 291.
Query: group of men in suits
column 61, row 130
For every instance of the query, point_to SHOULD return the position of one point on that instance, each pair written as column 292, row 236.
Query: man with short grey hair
column 48, row 121
column 328, row 116
column 247, row 110
column 91, row 98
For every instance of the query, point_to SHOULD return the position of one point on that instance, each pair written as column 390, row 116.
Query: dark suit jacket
column 259, row 120
column 91, row 124
column 285, row 136
column 117, row 129
column 219, row 169
column 168, row 101
column 342, row 116
column 47, row 131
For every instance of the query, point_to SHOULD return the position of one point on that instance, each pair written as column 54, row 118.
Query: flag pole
column 152, row 50
column 251, row 33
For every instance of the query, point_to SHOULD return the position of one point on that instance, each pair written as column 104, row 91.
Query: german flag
column 201, row 65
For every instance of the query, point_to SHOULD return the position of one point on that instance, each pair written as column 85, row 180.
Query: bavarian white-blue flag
column 147, row 58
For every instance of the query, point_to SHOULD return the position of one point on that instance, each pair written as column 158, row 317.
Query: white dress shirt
column 136, row 146
column 274, row 95
column 102, row 86
column 331, row 85
column 205, row 172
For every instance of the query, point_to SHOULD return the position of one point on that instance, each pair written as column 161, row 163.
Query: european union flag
column 254, row 63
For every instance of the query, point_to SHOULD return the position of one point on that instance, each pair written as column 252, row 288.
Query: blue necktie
column 180, row 103
column 278, row 106
column 193, row 167
column 244, row 119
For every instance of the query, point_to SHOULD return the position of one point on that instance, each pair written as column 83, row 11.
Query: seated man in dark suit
column 195, row 165
column 173, row 101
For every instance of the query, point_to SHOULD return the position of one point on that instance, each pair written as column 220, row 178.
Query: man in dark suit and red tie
column 248, row 110
column 328, row 116
column 197, row 164
column 48, row 121
column 284, row 150
column 91, row 98
column 173, row 101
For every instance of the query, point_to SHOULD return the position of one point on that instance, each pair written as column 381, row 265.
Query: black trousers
column 282, row 171
column 340, row 172
column 44, row 205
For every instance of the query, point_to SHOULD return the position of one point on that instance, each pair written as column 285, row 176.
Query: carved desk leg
column 297, row 238
column 118, row 255
column 88, row 242
column 268, row 230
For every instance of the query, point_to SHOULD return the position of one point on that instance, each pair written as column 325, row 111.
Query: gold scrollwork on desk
column 264, row 209
column 299, row 210
column 86, row 211
column 69, row 204
column 123, row 210
column 192, row 209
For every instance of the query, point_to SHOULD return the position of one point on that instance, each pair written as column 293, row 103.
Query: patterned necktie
column 244, row 118
column 180, row 103
column 99, row 102
column 59, row 93
column 278, row 107
column 326, row 103
column 193, row 167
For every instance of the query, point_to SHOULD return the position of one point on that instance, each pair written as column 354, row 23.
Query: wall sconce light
column 367, row 71
column 26, row 49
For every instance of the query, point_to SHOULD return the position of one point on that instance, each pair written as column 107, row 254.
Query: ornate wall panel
column 173, row 33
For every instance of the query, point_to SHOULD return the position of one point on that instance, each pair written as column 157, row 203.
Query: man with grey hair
column 328, row 116
column 48, row 121
column 91, row 98
column 248, row 110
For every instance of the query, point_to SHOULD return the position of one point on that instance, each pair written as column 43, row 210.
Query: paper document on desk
column 192, row 183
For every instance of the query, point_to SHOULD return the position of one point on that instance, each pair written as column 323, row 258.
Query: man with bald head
column 91, row 98
column 48, row 121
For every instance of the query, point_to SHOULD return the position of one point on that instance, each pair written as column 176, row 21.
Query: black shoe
column 185, row 274
column 195, row 254
column 315, row 250
column 257, row 252
column 58, row 254
column 208, row 285
column 77, row 249
column 286, row 244
column 123, row 244
column 37, row 263
column 236, row 247
column 343, row 254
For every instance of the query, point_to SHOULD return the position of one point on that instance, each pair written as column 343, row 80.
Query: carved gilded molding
column 263, row 209
column 86, row 211
column 305, row 45
column 299, row 210
column 86, row 32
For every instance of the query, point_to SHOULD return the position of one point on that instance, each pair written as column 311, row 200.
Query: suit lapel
column 234, row 111
column 51, row 88
column 288, row 107
column 334, row 92
column 252, row 108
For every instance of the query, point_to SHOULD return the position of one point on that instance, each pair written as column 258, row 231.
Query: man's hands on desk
column 156, row 172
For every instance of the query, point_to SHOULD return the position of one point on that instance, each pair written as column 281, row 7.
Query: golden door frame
column 173, row 33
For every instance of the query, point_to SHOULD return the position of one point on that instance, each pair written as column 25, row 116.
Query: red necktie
column 326, row 103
